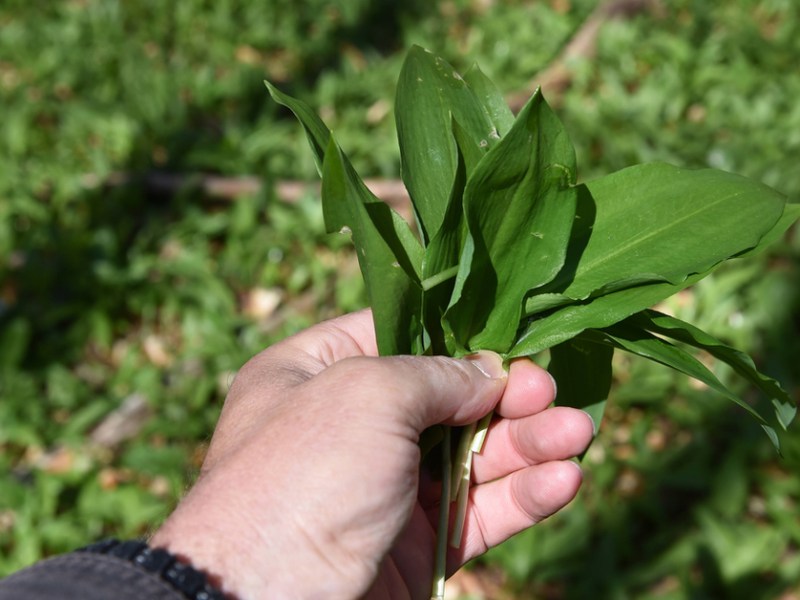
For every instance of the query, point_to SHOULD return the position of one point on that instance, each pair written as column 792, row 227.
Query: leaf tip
column 270, row 88
column 773, row 437
column 785, row 412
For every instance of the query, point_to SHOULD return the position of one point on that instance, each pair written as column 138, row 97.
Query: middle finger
column 557, row 433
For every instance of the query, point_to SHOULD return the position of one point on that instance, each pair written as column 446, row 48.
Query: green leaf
column 492, row 100
column 394, row 290
column 642, row 343
column 430, row 94
column 440, row 264
column 563, row 318
column 442, row 254
column 389, row 254
column 791, row 213
column 582, row 370
column 660, row 222
column 568, row 321
column 470, row 151
column 740, row 549
column 740, row 362
column 540, row 300
column 519, row 205
column 339, row 214
column 316, row 131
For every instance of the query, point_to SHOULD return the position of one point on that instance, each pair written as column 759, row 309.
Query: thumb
column 420, row 391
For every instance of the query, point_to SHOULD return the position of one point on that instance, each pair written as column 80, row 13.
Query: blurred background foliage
column 125, row 310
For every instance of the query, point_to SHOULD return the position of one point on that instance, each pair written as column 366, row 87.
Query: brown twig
column 391, row 191
column 122, row 424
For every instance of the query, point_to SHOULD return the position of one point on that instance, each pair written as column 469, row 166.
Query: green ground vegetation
column 113, row 291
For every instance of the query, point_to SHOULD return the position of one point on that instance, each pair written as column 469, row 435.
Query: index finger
column 530, row 390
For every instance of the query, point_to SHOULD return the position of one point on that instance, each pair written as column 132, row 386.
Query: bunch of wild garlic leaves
column 514, row 256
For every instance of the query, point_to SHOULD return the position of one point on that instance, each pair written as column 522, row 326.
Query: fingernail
column 577, row 466
column 595, row 425
column 489, row 363
column 555, row 385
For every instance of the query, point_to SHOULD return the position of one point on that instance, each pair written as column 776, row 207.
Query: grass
column 111, row 291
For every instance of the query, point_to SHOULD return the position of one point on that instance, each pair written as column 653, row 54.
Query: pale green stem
column 480, row 433
column 455, row 486
column 471, row 442
column 461, row 460
column 462, row 501
column 434, row 280
column 440, row 561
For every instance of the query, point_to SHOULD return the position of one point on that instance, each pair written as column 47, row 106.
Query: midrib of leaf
column 621, row 250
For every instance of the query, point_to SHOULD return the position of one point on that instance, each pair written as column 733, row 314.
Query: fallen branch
column 391, row 191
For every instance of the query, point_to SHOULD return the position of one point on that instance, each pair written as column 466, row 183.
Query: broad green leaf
column 338, row 215
column 442, row 254
column 740, row 362
column 316, row 131
column 394, row 295
column 791, row 213
column 582, row 370
column 491, row 98
column 470, row 151
column 568, row 321
column 567, row 318
column 540, row 300
column 440, row 264
column 642, row 343
column 430, row 94
column 519, row 205
column 661, row 222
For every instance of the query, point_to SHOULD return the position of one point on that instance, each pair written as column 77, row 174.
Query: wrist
column 209, row 549
column 215, row 536
column 169, row 568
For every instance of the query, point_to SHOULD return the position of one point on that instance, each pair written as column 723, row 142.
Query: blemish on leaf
column 346, row 230
column 567, row 176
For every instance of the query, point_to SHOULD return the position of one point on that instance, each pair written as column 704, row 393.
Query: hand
column 311, row 485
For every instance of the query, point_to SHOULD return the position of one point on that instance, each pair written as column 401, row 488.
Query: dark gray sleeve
column 85, row 576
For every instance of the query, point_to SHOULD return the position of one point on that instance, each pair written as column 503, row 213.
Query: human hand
column 311, row 485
